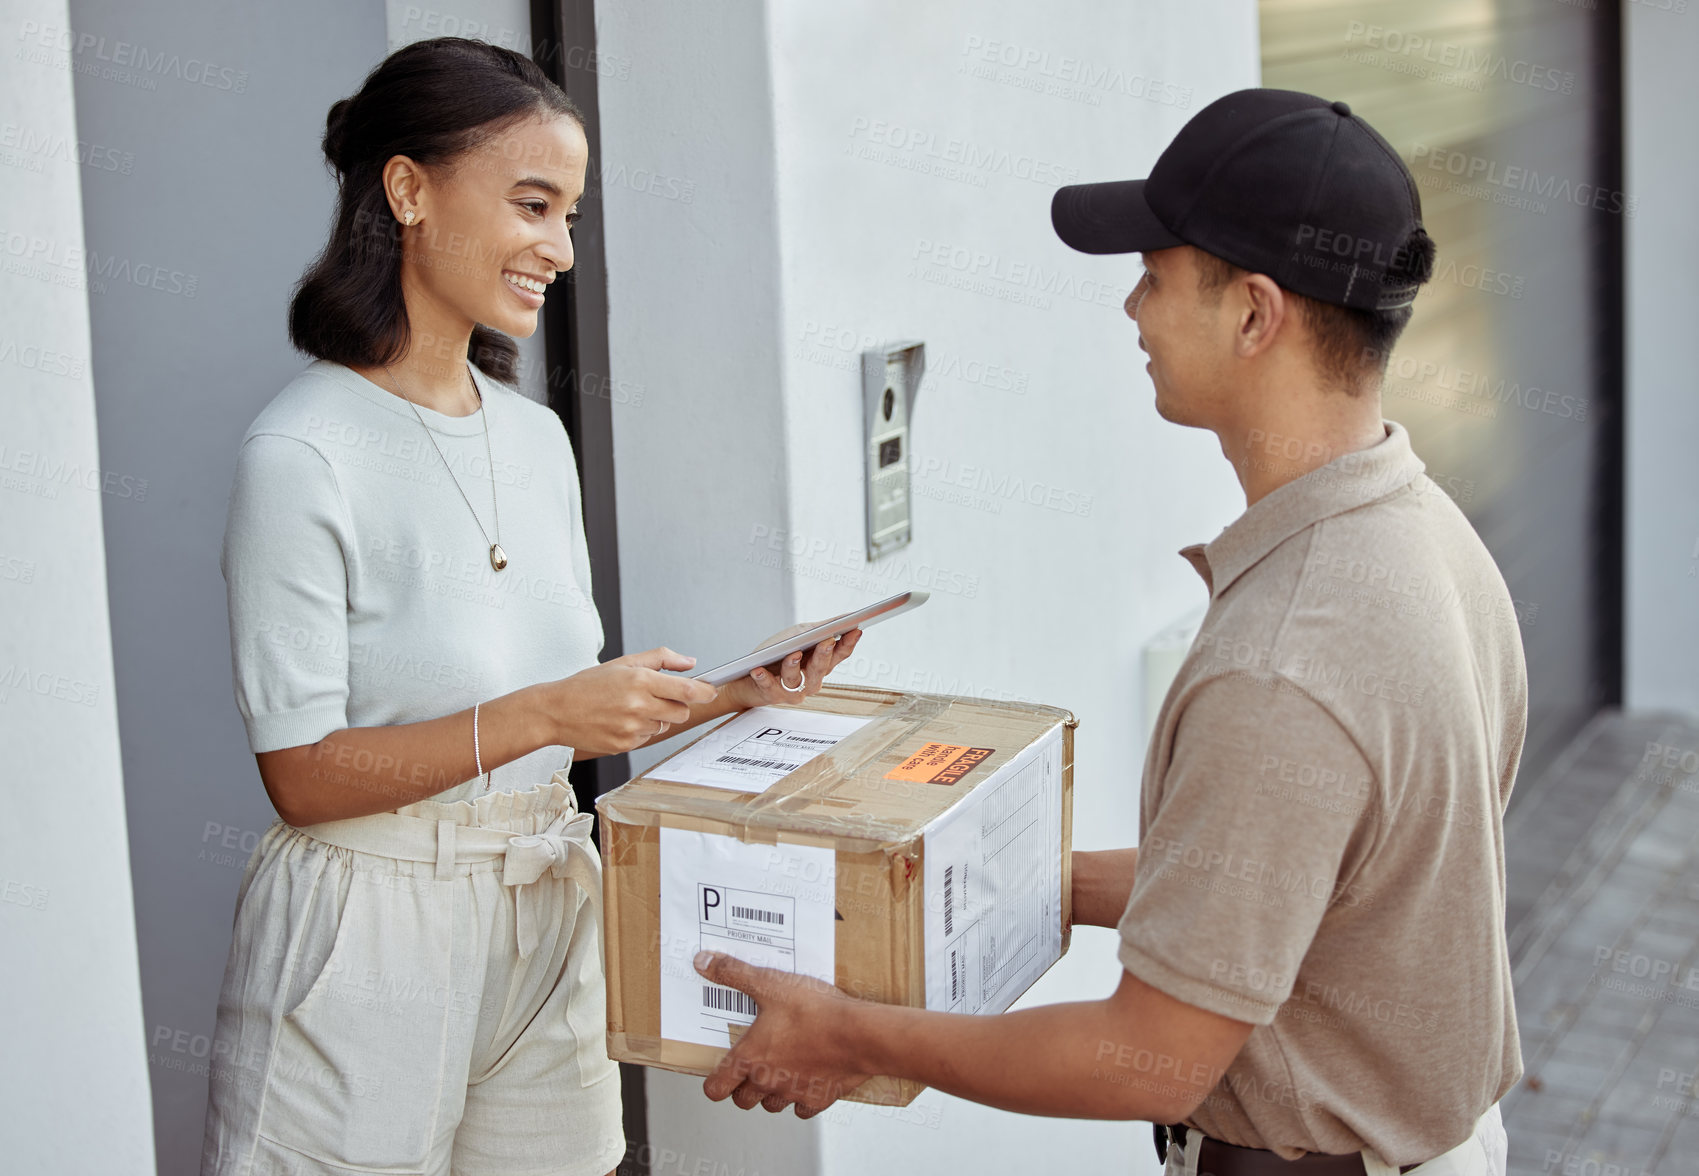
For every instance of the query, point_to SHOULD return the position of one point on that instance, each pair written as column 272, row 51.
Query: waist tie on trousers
column 563, row 850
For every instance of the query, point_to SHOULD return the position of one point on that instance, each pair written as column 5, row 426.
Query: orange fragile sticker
column 940, row 763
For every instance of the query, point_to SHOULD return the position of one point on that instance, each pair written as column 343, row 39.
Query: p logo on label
column 940, row 763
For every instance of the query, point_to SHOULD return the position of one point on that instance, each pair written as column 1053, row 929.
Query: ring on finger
column 800, row 687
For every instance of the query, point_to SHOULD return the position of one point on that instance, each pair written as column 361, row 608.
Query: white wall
column 1056, row 598
column 694, row 322
column 1661, row 589
column 811, row 234
column 74, row 1052
column 693, row 336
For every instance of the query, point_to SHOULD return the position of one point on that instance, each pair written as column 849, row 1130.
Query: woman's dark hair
column 431, row 101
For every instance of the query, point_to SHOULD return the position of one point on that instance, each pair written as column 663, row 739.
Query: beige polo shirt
column 1321, row 844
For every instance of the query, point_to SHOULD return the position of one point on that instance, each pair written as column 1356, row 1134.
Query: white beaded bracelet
column 477, row 755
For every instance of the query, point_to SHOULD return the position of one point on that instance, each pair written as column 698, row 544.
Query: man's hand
column 1137, row 1054
column 791, row 1055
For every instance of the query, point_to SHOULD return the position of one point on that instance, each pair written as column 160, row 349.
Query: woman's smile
column 527, row 289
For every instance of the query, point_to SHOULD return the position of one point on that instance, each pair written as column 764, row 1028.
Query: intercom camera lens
column 890, row 402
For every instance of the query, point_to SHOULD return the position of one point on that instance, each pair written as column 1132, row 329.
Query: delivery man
column 1312, row 927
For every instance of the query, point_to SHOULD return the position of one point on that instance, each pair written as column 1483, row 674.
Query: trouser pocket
column 357, row 1072
column 586, row 998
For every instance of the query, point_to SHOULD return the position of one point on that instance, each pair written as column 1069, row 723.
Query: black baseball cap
column 1277, row 182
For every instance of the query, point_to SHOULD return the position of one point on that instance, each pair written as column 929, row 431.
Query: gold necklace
column 498, row 557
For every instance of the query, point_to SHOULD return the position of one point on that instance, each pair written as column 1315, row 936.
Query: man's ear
column 1264, row 311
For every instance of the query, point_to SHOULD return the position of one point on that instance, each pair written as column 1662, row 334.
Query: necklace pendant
column 498, row 557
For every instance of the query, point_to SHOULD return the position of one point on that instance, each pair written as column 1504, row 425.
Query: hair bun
column 336, row 134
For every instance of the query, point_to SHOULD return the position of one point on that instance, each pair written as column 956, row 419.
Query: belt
column 1216, row 1158
column 563, row 849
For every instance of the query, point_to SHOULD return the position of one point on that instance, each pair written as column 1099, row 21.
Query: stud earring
column 407, row 217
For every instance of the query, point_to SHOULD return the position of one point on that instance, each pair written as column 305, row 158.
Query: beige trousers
column 418, row 993
column 1482, row 1154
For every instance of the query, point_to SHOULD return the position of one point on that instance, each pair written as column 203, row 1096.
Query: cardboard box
column 921, row 858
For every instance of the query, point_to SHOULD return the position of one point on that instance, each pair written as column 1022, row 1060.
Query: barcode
column 757, row 914
column 949, row 905
column 727, row 1000
column 742, row 761
column 955, row 982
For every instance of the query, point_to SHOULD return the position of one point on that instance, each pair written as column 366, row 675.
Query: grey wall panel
column 214, row 111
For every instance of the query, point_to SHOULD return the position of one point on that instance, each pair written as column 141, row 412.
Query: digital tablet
column 860, row 618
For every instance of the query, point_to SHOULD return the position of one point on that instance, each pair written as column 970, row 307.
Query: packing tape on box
column 760, row 818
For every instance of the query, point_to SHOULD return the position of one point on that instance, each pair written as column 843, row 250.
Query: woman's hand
column 766, row 686
column 623, row 703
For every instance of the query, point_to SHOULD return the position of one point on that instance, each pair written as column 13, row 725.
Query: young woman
column 415, row 982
